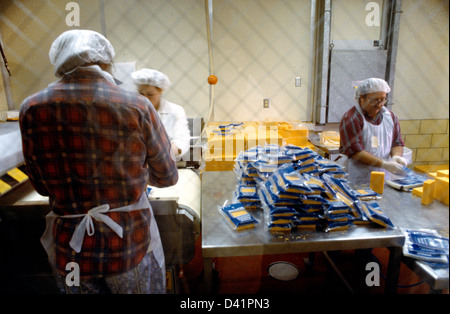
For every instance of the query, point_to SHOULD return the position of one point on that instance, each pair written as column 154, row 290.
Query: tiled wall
column 428, row 140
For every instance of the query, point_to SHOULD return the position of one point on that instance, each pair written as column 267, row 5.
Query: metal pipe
column 209, row 19
column 325, row 61
column 393, row 34
column 6, row 81
column 102, row 17
column 312, row 70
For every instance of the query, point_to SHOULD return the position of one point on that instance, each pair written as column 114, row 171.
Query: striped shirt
column 351, row 131
column 87, row 142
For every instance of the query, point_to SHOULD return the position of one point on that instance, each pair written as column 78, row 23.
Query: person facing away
column 151, row 84
column 370, row 134
column 92, row 148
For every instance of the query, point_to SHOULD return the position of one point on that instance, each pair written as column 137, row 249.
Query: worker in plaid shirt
column 92, row 148
column 370, row 134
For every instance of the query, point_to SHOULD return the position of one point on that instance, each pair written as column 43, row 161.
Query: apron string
column 87, row 224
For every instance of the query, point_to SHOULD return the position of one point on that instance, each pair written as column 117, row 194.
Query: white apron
column 87, row 225
column 377, row 140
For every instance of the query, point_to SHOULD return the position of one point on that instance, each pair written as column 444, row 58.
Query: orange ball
column 212, row 79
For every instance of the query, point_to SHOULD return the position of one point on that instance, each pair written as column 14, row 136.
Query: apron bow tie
column 87, row 225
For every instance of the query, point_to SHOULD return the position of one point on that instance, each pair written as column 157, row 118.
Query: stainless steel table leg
column 207, row 274
column 395, row 259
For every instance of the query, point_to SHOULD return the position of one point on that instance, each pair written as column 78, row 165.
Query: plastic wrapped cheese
column 330, row 138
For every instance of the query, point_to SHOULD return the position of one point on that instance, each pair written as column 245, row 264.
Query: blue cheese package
column 274, row 158
column 280, row 211
column 407, row 182
column 366, row 194
column 427, row 246
column 238, row 217
column 246, row 193
column 290, row 180
column 297, row 153
column 373, row 212
column 284, row 227
column 428, row 240
column 338, row 225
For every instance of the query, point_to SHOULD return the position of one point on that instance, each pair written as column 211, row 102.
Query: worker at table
column 92, row 147
column 151, row 84
column 370, row 134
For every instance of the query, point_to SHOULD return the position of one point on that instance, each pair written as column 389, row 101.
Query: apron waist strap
column 98, row 213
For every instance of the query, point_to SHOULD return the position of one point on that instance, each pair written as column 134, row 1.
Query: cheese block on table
column 418, row 191
column 377, row 181
column 441, row 190
column 442, row 173
column 428, row 192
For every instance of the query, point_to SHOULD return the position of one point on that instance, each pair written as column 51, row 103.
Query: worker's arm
column 371, row 160
column 397, row 151
column 367, row 159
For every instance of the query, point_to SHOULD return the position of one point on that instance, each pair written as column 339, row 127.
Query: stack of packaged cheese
column 298, row 189
column 225, row 140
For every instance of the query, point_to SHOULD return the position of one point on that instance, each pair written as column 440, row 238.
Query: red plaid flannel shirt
column 87, row 142
column 351, row 131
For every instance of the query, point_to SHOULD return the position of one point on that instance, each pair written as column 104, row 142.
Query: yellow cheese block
column 277, row 125
column 219, row 155
column 377, row 181
column 441, row 190
column 428, row 192
column 225, row 145
column 418, row 191
column 262, row 137
column 299, row 133
column 430, row 168
column 214, row 165
column 297, row 141
column 442, row 173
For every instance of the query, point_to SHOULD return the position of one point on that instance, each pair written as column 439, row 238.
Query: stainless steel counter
column 219, row 240
column 10, row 146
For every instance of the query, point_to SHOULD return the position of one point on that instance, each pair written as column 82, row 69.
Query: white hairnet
column 75, row 48
column 151, row 77
column 372, row 85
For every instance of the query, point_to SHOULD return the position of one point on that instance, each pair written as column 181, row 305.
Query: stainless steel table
column 219, row 240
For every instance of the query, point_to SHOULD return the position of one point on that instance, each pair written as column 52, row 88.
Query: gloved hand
column 400, row 160
column 393, row 167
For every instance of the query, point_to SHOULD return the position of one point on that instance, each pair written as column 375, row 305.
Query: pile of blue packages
column 298, row 189
column 427, row 246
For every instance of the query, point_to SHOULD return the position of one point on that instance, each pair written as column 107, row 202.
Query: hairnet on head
column 75, row 48
column 372, row 85
column 151, row 77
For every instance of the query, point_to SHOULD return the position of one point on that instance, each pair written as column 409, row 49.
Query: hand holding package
column 393, row 167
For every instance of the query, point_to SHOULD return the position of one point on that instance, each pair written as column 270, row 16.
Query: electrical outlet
column 298, row 81
column 266, row 103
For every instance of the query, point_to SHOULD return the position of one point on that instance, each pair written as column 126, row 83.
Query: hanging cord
column 4, row 59
column 208, row 13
